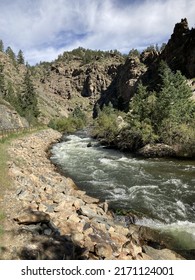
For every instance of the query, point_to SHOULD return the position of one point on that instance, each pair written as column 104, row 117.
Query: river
column 159, row 191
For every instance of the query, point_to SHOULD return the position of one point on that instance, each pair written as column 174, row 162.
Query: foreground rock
column 47, row 217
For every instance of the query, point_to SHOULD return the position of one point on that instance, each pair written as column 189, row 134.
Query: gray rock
column 164, row 254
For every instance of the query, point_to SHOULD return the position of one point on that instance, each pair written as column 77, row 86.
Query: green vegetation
column 11, row 55
column 21, row 96
column 77, row 120
column 88, row 55
column 25, row 103
column 163, row 116
column 2, row 81
column 28, row 104
column 4, row 180
column 134, row 53
column 1, row 46
column 105, row 125
column 20, row 57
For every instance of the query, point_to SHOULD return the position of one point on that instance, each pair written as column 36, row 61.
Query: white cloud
column 44, row 28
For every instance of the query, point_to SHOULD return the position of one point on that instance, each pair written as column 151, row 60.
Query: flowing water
column 160, row 191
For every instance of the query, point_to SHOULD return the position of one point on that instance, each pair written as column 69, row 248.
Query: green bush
column 105, row 125
column 77, row 120
column 164, row 116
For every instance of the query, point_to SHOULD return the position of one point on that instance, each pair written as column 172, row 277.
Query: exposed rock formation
column 123, row 85
column 180, row 49
column 178, row 53
column 157, row 150
column 68, row 84
column 70, row 81
column 10, row 119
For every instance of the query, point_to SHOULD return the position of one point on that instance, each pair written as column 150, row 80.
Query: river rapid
column 161, row 192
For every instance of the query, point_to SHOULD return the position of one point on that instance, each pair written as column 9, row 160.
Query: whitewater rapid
column 161, row 192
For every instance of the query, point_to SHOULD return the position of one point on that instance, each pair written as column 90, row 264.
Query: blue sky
column 45, row 28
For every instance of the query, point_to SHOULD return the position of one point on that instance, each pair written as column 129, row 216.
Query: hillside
column 84, row 78
column 71, row 81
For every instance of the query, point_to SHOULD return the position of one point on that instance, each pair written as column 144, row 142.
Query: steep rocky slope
column 83, row 78
column 13, row 76
column 9, row 118
column 67, row 83
column 178, row 54
column 180, row 49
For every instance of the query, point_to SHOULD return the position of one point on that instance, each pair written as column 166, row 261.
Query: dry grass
column 4, row 158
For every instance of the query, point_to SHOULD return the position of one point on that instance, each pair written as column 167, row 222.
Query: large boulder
column 157, row 150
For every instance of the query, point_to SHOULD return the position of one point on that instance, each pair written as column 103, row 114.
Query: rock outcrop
column 123, row 86
column 180, row 49
column 47, row 217
column 70, row 84
column 10, row 119
column 70, row 81
column 178, row 53
column 157, row 150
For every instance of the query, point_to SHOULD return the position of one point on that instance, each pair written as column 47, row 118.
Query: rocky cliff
column 178, row 54
column 69, row 83
column 12, row 76
column 83, row 78
column 9, row 118
column 123, row 85
column 180, row 49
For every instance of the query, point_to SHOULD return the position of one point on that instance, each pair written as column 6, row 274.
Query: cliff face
column 13, row 75
column 179, row 52
column 71, row 82
column 68, row 84
column 123, row 85
column 9, row 118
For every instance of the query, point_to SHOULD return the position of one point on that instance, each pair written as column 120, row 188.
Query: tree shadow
column 44, row 247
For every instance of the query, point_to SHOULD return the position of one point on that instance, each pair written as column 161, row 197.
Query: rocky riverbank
column 48, row 217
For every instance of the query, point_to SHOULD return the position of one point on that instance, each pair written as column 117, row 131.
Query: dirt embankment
column 47, row 217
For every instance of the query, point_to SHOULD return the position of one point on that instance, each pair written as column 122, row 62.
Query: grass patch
column 2, row 216
column 4, row 178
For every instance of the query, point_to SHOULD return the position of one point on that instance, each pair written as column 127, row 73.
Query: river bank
column 47, row 217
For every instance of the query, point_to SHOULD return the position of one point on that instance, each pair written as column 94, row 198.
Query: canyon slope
column 84, row 78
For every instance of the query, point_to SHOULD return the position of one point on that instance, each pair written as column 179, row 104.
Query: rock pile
column 49, row 218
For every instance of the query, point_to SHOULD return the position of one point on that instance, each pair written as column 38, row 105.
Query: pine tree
column 28, row 101
column 10, row 96
column 11, row 54
column 2, row 81
column 162, row 115
column 20, row 57
column 173, row 100
column 1, row 46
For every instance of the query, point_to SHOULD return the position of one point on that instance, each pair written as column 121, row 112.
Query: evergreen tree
column 10, row 95
column 2, row 81
column 28, row 100
column 11, row 54
column 174, row 106
column 1, row 46
column 173, row 99
column 134, row 53
column 140, row 118
column 20, row 57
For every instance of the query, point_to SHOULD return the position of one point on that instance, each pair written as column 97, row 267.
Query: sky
column 43, row 29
